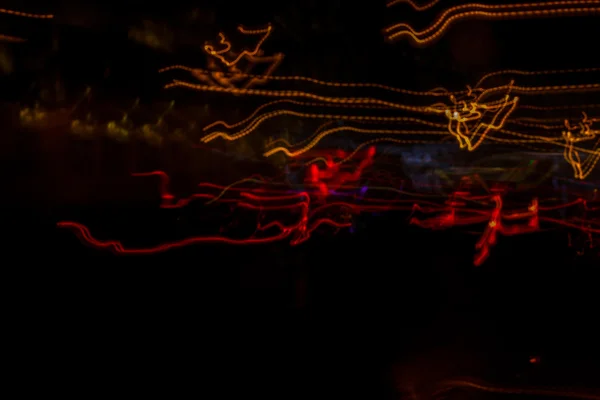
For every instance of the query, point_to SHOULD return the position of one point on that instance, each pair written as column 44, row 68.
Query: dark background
column 355, row 316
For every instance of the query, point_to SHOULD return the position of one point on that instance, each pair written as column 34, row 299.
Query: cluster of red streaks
column 332, row 178
column 263, row 200
column 298, row 232
column 497, row 226
column 498, row 220
column 319, row 204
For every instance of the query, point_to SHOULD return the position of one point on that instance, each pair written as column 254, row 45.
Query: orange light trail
column 469, row 116
column 14, row 39
column 228, row 67
column 463, row 12
column 26, row 15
